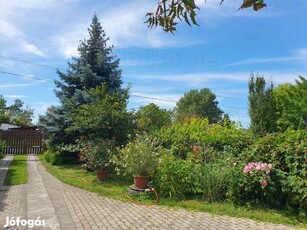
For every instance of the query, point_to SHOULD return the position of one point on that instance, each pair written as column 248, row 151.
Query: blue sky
column 219, row 54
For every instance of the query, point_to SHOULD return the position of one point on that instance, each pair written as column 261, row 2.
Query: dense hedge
column 181, row 135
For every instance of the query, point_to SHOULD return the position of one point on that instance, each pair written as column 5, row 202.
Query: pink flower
column 264, row 183
column 258, row 166
column 246, row 169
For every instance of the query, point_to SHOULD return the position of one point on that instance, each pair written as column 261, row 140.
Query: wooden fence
column 22, row 141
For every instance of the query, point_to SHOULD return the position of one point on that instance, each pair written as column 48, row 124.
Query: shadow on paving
column 4, row 164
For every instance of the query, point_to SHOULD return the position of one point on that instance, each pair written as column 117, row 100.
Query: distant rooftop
column 7, row 126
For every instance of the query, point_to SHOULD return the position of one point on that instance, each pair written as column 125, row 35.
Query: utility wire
column 159, row 99
column 133, row 95
column 28, row 63
column 24, row 76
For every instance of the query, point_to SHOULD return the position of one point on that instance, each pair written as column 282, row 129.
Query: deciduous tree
column 291, row 104
column 171, row 12
column 262, row 108
column 199, row 103
column 151, row 117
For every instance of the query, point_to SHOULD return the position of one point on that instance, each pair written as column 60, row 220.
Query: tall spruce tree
column 262, row 108
column 95, row 66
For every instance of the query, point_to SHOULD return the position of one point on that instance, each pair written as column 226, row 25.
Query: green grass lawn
column 17, row 173
column 117, row 188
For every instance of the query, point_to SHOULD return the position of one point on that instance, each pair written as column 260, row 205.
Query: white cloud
column 196, row 79
column 15, row 85
column 12, row 96
column 8, row 30
column 298, row 56
column 67, row 42
column 30, row 48
column 15, row 38
column 125, row 26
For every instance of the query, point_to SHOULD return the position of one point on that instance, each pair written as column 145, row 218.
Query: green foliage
column 95, row 66
column 199, row 103
column 2, row 144
column 214, row 181
column 288, row 154
column 105, row 116
column 262, row 108
column 4, row 118
column 96, row 154
column 139, row 158
column 151, row 118
column 291, row 103
column 16, row 113
column 47, row 155
column 20, row 116
column 176, row 178
column 54, row 124
column 169, row 13
column 181, row 136
column 60, row 157
column 255, row 184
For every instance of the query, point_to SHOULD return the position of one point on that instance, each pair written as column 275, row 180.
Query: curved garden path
column 66, row 207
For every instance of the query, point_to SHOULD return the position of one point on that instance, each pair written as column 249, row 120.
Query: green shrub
column 139, row 158
column 47, row 155
column 2, row 144
column 56, row 158
column 287, row 152
column 214, row 182
column 181, row 135
column 176, row 178
column 96, row 154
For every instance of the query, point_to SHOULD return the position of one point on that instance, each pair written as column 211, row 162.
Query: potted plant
column 95, row 156
column 140, row 159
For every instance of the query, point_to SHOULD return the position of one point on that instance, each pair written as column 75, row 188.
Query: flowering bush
column 259, row 170
column 288, row 153
column 96, row 154
column 139, row 158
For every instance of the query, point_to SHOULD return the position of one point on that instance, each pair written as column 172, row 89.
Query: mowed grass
column 74, row 175
column 17, row 172
column 117, row 188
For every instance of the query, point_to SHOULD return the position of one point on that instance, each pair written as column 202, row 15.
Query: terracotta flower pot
column 140, row 182
column 102, row 175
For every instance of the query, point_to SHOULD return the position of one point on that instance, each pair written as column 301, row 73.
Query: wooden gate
column 22, row 141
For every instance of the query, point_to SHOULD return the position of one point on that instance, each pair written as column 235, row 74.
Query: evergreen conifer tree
column 95, row 66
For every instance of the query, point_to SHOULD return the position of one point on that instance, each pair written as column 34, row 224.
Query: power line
column 24, row 76
column 159, row 99
column 28, row 63
column 133, row 95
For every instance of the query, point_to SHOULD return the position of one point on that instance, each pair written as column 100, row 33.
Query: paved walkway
column 68, row 208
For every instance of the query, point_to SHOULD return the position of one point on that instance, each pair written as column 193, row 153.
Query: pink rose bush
column 259, row 168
